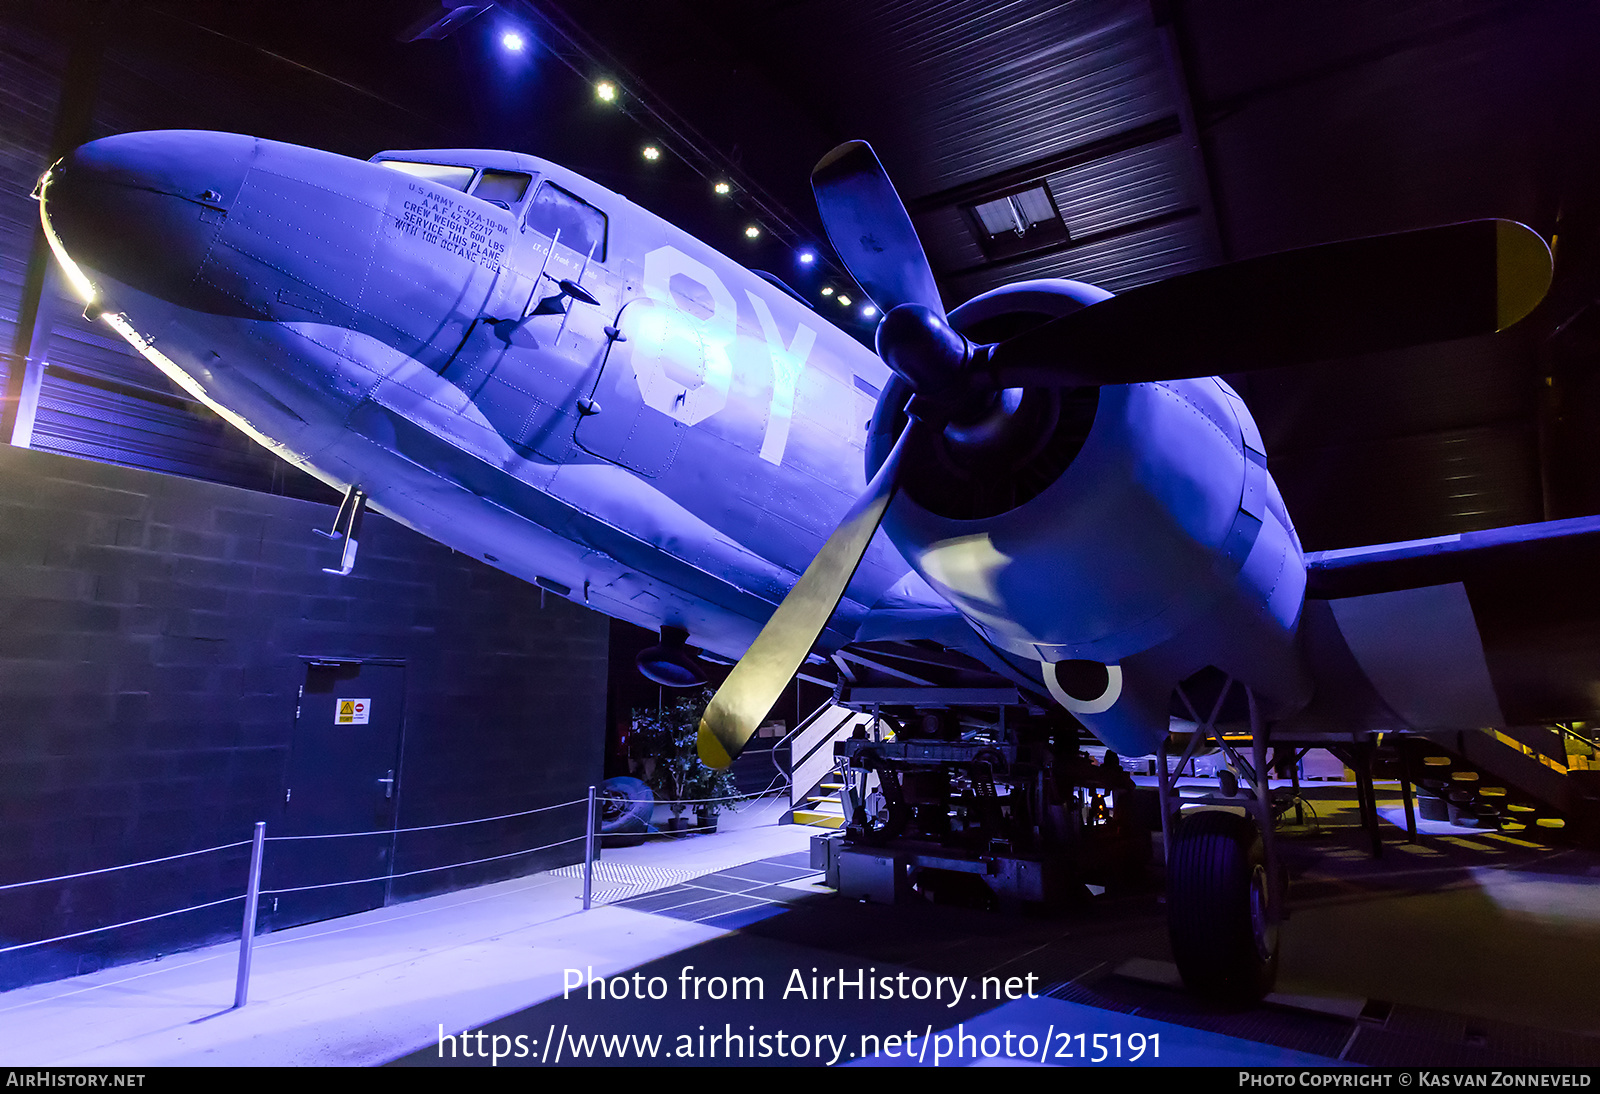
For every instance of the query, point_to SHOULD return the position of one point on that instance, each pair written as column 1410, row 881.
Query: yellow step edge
column 817, row 820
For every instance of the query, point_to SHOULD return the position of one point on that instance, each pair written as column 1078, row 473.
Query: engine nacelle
column 1139, row 531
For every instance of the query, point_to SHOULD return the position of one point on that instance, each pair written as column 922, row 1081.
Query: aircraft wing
column 1492, row 628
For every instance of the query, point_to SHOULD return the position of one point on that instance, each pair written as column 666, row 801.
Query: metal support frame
column 588, row 851
column 1164, row 784
column 252, row 900
column 1410, row 806
column 1364, row 780
column 1256, row 772
column 1264, row 817
column 347, row 526
column 1358, row 756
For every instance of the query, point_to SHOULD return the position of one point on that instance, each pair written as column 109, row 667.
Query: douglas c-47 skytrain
column 524, row 366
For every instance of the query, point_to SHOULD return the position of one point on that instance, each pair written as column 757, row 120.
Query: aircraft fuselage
column 544, row 375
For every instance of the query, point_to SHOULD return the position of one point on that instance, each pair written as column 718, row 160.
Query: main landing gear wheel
column 1220, row 913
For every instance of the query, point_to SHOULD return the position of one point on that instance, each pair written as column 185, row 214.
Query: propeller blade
column 870, row 230
column 1336, row 300
column 755, row 683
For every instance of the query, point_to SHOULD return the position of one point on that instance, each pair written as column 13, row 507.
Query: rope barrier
column 431, row 827
column 426, row 870
column 129, row 923
column 332, row 884
column 124, row 866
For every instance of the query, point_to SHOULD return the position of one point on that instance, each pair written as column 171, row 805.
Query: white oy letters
column 672, row 341
column 684, row 362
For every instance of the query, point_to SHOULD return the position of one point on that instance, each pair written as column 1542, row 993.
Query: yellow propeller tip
column 1523, row 271
column 712, row 754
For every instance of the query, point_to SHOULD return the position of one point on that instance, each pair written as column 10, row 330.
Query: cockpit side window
column 442, row 174
column 504, row 188
column 581, row 225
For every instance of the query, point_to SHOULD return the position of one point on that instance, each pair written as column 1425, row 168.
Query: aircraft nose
column 144, row 208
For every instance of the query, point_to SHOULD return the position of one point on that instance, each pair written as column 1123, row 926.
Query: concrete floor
column 1469, row 947
column 367, row 988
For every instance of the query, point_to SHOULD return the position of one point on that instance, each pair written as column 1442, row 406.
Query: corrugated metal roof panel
column 1118, row 263
column 1122, row 189
column 80, row 420
column 1457, row 480
column 958, row 90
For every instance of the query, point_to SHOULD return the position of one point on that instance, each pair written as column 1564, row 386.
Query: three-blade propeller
column 1334, row 300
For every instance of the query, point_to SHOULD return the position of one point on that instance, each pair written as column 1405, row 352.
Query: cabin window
column 504, row 188
column 582, row 226
column 442, row 174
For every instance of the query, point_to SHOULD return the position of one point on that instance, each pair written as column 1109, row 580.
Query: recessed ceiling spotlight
column 513, row 41
column 845, row 300
column 807, row 257
column 751, row 231
column 723, row 188
column 868, row 311
column 827, row 290
column 652, row 153
column 605, row 91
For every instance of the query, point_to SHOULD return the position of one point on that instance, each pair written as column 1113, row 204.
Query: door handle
column 388, row 784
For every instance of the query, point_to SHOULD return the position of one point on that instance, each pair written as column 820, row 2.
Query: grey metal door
column 343, row 777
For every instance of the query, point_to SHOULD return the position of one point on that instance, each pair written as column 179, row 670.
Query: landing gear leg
column 1224, row 889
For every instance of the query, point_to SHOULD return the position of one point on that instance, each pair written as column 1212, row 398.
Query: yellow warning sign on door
column 352, row 712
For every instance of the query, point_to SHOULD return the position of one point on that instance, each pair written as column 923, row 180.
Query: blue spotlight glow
column 807, row 257
column 513, row 41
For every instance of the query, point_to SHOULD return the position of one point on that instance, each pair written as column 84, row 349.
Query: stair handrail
column 805, row 724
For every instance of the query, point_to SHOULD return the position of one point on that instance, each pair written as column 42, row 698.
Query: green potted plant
column 668, row 735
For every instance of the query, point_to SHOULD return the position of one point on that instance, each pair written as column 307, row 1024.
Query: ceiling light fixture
column 722, row 188
column 606, row 91
column 751, row 231
column 652, row 153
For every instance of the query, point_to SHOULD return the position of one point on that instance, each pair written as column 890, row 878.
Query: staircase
column 815, row 786
column 1530, row 782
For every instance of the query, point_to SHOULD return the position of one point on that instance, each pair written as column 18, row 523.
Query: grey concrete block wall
column 154, row 632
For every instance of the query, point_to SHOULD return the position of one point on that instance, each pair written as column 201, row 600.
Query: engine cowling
column 1133, row 527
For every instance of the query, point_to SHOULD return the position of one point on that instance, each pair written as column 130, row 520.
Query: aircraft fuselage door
column 650, row 389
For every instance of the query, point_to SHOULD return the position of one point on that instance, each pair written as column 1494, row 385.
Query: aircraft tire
column 623, row 810
column 1219, row 915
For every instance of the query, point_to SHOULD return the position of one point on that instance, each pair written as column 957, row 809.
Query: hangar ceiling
column 1160, row 137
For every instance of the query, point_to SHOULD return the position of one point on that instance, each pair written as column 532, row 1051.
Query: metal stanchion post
column 252, row 898
column 588, row 853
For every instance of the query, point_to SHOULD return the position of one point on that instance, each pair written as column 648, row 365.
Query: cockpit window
column 504, row 188
column 582, row 226
column 443, row 174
